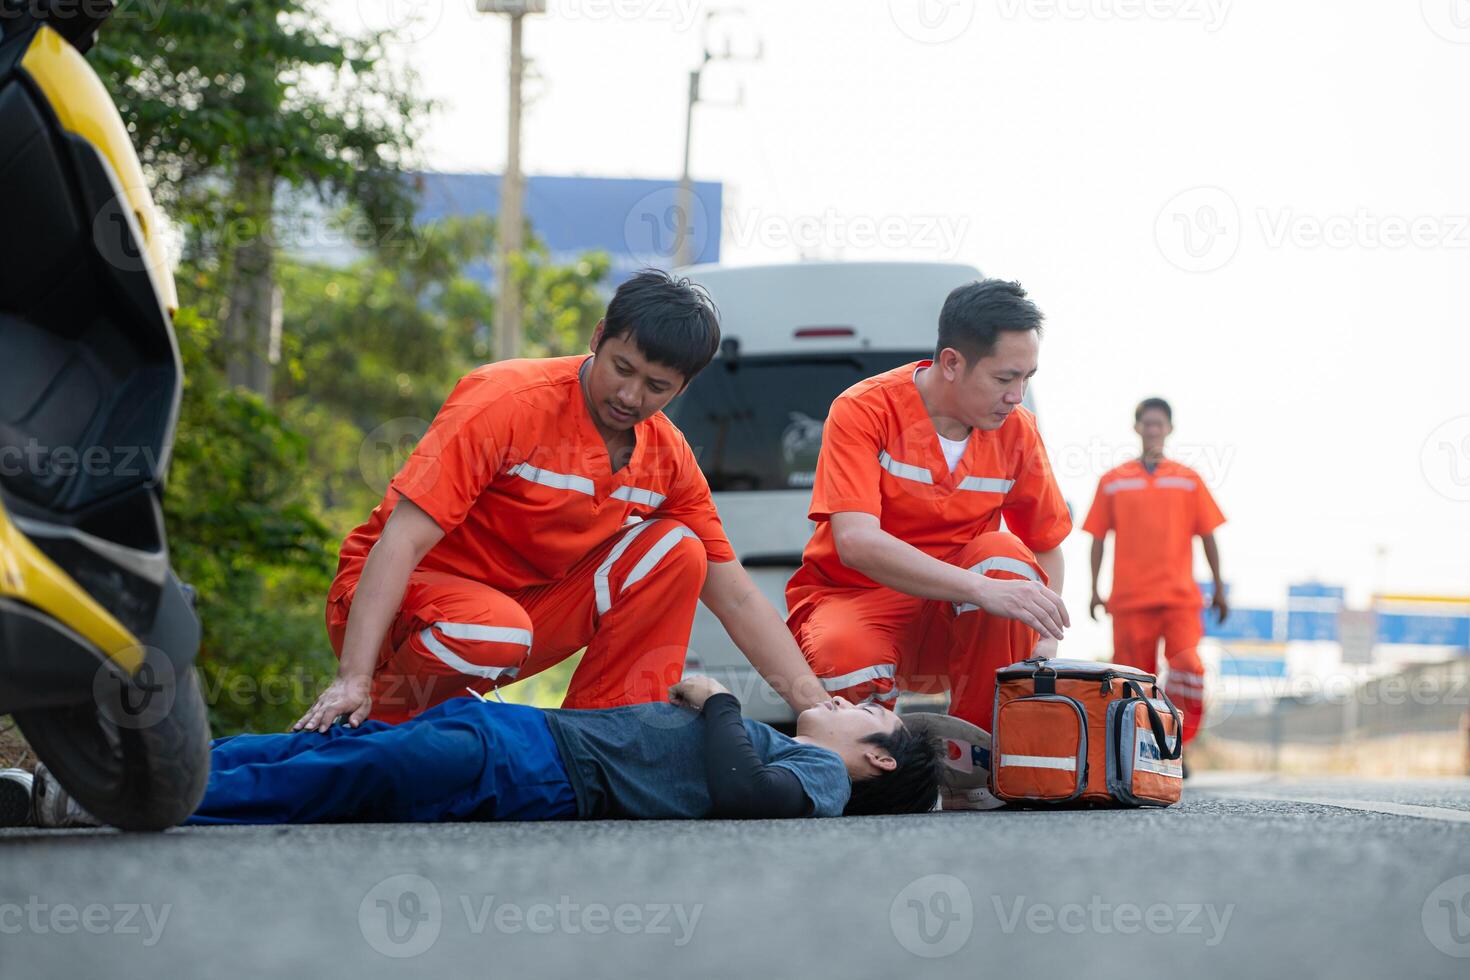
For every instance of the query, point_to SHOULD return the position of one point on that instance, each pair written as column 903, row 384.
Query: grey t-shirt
column 647, row 760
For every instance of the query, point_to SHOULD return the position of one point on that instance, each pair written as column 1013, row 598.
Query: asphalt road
column 1245, row 878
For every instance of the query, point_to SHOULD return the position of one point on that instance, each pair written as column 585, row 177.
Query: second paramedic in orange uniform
column 1155, row 507
column 908, row 581
column 551, row 506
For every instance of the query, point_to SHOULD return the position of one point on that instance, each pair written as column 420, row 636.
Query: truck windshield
column 756, row 423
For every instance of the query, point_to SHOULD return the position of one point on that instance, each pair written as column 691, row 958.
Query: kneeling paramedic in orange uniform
column 1155, row 507
column 552, row 506
column 908, row 581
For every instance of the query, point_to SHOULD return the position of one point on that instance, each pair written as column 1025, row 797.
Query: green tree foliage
column 244, row 531
column 261, row 491
column 228, row 101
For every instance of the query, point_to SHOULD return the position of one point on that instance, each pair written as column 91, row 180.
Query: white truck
column 794, row 337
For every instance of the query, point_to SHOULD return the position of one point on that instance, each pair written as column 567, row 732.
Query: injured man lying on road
column 469, row 759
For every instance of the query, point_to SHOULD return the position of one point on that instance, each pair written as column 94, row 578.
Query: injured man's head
column 893, row 769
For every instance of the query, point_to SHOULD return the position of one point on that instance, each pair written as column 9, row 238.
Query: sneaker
column 52, row 806
column 15, row 797
column 966, row 749
column 964, row 784
column 978, row 798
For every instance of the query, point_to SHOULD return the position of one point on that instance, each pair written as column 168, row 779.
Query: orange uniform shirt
column 881, row 456
column 1154, row 518
column 518, row 477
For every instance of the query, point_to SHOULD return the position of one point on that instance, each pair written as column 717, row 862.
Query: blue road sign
column 1312, row 610
column 1430, row 630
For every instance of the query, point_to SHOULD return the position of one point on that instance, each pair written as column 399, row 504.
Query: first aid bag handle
column 1157, row 723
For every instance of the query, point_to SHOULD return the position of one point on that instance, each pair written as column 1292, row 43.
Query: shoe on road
column 15, row 797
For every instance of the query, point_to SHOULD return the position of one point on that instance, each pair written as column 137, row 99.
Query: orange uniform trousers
column 630, row 602
column 868, row 644
column 1136, row 636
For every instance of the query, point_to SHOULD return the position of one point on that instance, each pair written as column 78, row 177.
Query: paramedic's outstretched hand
column 694, row 691
column 1030, row 602
column 351, row 696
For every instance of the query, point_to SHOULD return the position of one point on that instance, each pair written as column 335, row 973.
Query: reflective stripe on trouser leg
column 475, row 633
column 599, row 579
column 643, row 600
column 877, row 679
column 999, row 563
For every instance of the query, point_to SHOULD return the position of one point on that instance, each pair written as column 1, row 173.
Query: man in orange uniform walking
column 1155, row 507
column 552, row 506
column 908, row 582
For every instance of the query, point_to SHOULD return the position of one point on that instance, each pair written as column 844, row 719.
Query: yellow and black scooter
column 97, row 634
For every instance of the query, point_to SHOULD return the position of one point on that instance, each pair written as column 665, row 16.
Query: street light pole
column 508, row 310
column 683, row 243
column 684, row 237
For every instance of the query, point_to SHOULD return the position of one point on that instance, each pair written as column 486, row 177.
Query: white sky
column 1316, row 386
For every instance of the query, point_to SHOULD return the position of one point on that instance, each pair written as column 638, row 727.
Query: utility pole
column 684, row 239
column 508, row 312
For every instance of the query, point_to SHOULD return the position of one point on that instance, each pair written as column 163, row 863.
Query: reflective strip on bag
column 1066, row 763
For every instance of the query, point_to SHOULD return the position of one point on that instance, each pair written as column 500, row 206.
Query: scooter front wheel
column 137, row 758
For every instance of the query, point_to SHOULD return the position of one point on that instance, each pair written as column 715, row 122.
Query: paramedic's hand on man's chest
column 695, row 690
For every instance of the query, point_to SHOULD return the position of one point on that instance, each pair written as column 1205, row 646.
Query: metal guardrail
column 1422, row 698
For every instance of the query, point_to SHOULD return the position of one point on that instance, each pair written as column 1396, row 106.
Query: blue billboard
column 637, row 222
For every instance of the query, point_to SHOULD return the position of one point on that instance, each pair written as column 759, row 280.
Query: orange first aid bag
column 1077, row 732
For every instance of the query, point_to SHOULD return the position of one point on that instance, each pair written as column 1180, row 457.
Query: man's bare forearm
column 406, row 539
column 1098, row 545
column 374, row 604
column 1212, row 555
column 760, row 634
column 1055, row 567
column 900, row 566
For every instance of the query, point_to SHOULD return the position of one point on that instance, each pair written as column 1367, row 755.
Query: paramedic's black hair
column 911, row 787
column 1149, row 403
column 975, row 314
column 672, row 321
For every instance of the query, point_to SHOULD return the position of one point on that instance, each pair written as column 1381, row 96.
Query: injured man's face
column 853, row 731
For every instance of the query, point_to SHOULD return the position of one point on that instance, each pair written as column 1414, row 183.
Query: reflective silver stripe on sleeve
column 547, row 478
column 986, row 484
column 638, row 495
column 904, row 471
